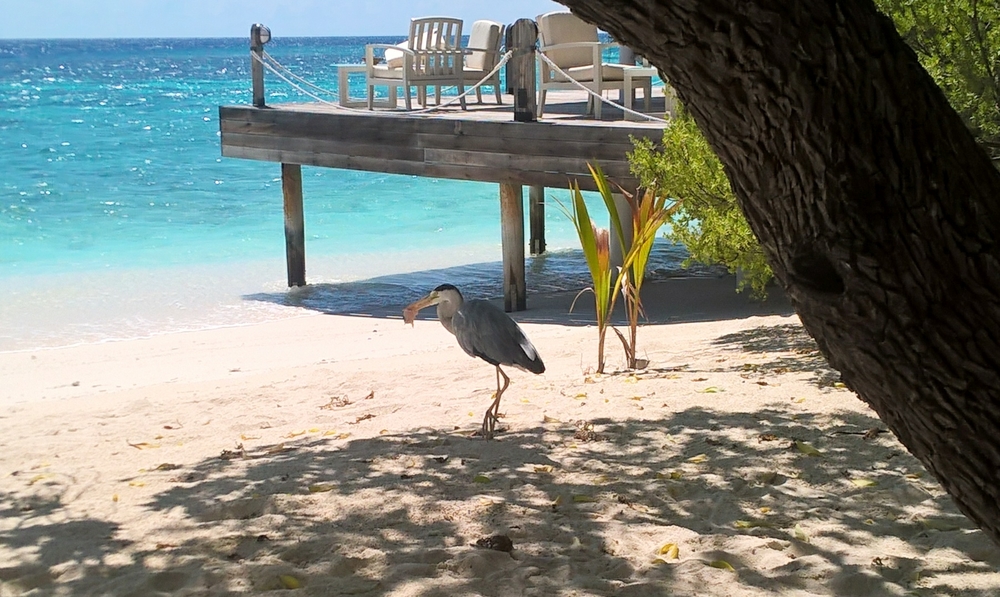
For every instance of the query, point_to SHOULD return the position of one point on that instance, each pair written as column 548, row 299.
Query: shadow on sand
column 586, row 504
column 705, row 294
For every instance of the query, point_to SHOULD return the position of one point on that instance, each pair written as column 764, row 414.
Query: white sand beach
column 330, row 455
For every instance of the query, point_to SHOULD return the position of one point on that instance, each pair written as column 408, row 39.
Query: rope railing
column 289, row 73
column 556, row 68
column 286, row 75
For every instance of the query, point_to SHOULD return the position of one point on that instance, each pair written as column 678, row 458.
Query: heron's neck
column 445, row 319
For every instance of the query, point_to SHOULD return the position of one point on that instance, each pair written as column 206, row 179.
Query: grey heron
column 484, row 331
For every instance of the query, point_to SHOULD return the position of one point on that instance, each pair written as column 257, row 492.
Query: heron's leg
column 492, row 413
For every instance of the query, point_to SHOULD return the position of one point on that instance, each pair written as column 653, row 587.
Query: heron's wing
column 484, row 331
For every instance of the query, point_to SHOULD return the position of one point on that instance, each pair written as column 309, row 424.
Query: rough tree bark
column 875, row 207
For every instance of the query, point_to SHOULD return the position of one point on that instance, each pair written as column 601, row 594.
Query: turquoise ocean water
column 120, row 219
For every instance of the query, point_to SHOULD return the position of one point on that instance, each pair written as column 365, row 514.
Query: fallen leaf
column 914, row 475
column 114, row 498
column 543, row 468
column 136, row 484
column 631, row 379
column 862, row 482
column 289, row 582
column 583, row 498
column 556, row 502
column 143, row 445
column 840, row 385
column 698, row 459
column 314, row 430
column 798, row 400
column 939, row 525
column 869, row 521
column 800, row 534
column 765, row 509
column 548, row 419
column 481, row 478
column 580, row 396
column 722, row 565
column 709, row 390
column 807, row 449
column 167, row 466
column 248, row 437
column 296, row 433
column 37, row 478
column 700, row 379
column 670, row 551
column 321, row 487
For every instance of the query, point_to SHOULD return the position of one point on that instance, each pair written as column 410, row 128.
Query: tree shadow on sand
column 588, row 505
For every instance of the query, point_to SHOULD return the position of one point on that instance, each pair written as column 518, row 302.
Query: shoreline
column 331, row 454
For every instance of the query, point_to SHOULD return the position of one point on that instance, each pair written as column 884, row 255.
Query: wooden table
column 645, row 75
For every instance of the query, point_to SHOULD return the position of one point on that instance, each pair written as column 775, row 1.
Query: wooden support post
column 521, row 75
column 512, row 239
column 295, row 229
column 625, row 215
column 536, row 216
column 259, row 35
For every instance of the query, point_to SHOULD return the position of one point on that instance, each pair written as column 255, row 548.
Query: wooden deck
column 482, row 143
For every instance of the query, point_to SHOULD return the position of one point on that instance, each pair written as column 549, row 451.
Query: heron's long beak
column 410, row 312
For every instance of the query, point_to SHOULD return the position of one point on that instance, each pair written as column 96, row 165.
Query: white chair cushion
column 394, row 58
column 485, row 35
column 561, row 28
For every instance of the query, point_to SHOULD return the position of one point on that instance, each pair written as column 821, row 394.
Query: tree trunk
column 874, row 205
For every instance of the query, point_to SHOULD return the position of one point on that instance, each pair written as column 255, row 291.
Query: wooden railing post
column 259, row 35
column 625, row 215
column 295, row 229
column 536, row 217
column 512, row 246
column 521, row 75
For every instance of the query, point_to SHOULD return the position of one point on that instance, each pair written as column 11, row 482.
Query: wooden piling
column 523, row 36
column 536, row 217
column 256, row 66
column 625, row 216
column 295, row 230
column 512, row 241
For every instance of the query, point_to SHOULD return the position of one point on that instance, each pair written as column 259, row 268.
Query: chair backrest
column 484, row 41
column 564, row 27
column 435, row 33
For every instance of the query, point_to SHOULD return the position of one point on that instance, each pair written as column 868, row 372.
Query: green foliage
column 709, row 222
column 958, row 42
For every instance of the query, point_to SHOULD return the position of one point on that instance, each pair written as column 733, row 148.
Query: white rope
column 303, row 91
column 292, row 83
column 556, row 68
column 288, row 72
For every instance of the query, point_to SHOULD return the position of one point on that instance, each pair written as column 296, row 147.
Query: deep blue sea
column 120, row 219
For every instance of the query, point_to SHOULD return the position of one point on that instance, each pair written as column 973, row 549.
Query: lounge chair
column 572, row 44
column 431, row 56
column 484, row 53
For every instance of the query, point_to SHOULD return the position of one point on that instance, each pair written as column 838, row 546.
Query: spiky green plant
column 649, row 211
